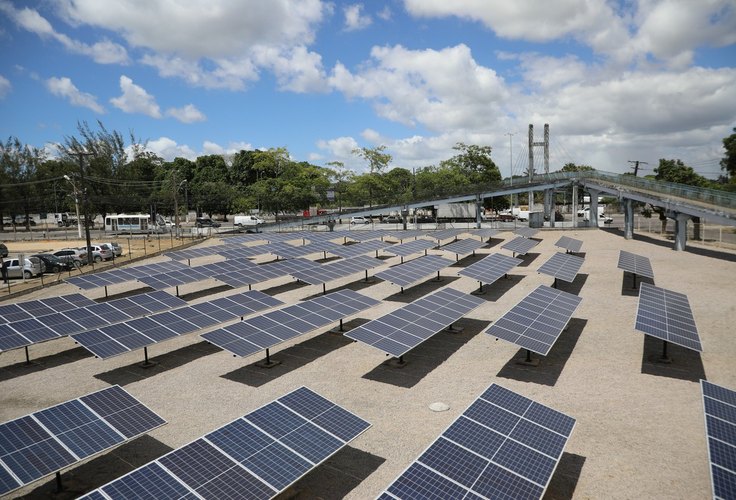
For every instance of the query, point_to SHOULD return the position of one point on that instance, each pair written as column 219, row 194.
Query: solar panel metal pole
column 146, row 363
column 59, row 485
column 324, row 289
column 665, row 358
column 28, row 358
column 633, row 275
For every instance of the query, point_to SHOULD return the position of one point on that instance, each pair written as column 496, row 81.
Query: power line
column 636, row 165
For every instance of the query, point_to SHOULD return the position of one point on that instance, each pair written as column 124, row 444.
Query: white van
column 247, row 221
column 585, row 214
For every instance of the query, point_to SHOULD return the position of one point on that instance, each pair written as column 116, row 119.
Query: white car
column 359, row 219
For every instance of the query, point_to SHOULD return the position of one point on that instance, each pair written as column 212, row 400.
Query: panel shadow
column 574, row 287
column 550, row 366
column 416, row 291
column 128, row 374
column 335, row 477
column 286, row 287
column 355, row 286
column 207, row 291
column 469, row 259
column 627, row 284
column 565, row 479
column 51, row 361
column 492, row 242
column 527, row 259
column 127, row 293
column 686, row 364
column 101, row 470
column 293, row 358
column 498, row 288
column 427, row 356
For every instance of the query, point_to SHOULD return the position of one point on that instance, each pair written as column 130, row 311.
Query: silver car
column 32, row 266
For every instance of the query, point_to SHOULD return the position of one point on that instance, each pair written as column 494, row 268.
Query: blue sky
column 616, row 80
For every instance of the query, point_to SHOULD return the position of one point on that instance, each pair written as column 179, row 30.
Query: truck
column 456, row 211
column 64, row 219
column 247, row 221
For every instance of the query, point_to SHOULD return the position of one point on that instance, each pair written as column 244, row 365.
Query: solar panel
column 244, row 238
column 719, row 405
column 33, row 308
column 195, row 252
column 503, row 446
column 347, row 251
column 520, row 245
column 51, row 326
column 666, row 315
column 490, row 268
column 563, row 266
column 402, row 330
column 526, row 232
column 569, row 244
column 365, row 235
column 484, row 232
column 195, row 274
column 265, row 272
column 462, row 247
column 256, row 456
column 241, row 252
column 444, row 234
column 123, row 274
column 410, row 272
column 537, row 321
column 635, row 264
column 336, row 270
column 267, row 330
column 46, row 441
column 120, row 338
column 410, row 248
column 286, row 251
column 404, row 235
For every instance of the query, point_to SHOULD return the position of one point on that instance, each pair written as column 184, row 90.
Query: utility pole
column 176, row 205
column 80, row 156
column 511, row 166
column 636, row 165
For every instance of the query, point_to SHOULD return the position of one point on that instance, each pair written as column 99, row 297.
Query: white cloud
column 63, row 87
column 168, row 149
column 104, row 52
column 187, row 114
column 385, row 13
column 296, row 70
column 354, row 17
column 5, row 87
column 339, row 147
column 135, row 99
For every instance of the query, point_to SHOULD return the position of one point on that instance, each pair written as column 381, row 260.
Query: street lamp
column 176, row 206
column 76, row 205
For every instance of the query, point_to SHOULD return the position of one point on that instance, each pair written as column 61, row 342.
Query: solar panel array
column 666, row 315
column 463, row 247
column 241, row 252
column 46, row 441
column 445, row 234
column 347, row 251
column 123, row 274
column 526, row 232
column 60, row 324
column 503, row 446
column 336, row 270
column 120, row 338
column 410, row 248
column 410, row 272
column 255, row 456
column 719, row 405
column 257, row 334
column 33, row 308
column 520, row 245
column 484, row 232
column 245, row 238
column 264, row 272
column 537, row 321
column 194, row 274
column 365, row 235
column 286, row 251
column 490, row 268
column 563, row 266
column 405, row 235
column 402, row 330
column 635, row 264
column 569, row 244
column 194, row 252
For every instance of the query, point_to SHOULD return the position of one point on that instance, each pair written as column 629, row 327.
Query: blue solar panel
column 719, row 404
column 666, row 315
column 490, row 268
column 520, row 245
column 353, row 250
column 537, row 321
column 463, row 247
column 569, row 244
column 256, row 456
column 563, row 266
column 503, row 446
column 635, row 264
column 410, row 272
column 44, row 442
column 410, row 248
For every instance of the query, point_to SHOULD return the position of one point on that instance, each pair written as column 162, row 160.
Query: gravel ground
column 639, row 433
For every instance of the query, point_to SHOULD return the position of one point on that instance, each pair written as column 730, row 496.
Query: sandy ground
column 639, row 432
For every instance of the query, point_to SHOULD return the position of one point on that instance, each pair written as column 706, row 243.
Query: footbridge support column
column 574, row 205
column 478, row 211
column 628, row 219
column 680, row 230
column 552, row 208
column 593, row 206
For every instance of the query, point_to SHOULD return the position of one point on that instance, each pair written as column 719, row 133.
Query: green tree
column 728, row 163
column 475, row 163
column 571, row 167
column 677, row 171
column 19, row 165
column 378, row 161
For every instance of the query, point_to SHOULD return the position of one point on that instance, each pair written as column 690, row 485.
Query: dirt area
column 640, row 425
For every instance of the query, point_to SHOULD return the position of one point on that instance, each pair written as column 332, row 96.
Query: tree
column 571, row 167
column 677, row 171
column 378, row 161
column 19, row 164
column 728, row 163
column 475, row 163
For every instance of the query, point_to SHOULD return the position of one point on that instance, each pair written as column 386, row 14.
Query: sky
column 616, row 81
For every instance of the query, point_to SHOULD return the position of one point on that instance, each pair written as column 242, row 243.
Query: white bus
column 126, row 223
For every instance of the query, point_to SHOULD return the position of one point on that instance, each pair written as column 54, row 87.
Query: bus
column 126, row 223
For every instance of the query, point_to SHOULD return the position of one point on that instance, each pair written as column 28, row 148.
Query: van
column 602, row 217
column 247, row 220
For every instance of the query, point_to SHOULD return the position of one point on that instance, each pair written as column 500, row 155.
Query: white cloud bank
column 63, row 87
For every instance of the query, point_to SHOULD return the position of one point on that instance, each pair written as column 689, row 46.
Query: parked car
column 32, row 266
column 74, row 256
column 359, row 219
column 3, row 250
column 392, row 219
column 117, row 250
column 100, row 252
column 206, row 222
column 52, row 263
